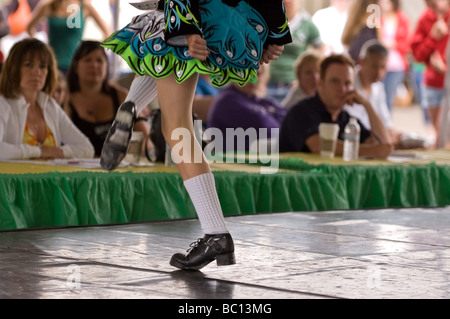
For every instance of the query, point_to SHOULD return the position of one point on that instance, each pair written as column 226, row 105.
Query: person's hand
column 377, row 151
column 437, row 63
column 51, row 152
column 272, row 52
column 197, row 47
column 354, row 97
column 439, row 29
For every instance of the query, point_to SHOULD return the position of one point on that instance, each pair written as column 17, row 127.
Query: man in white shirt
column 368, row 76
column 369, row 73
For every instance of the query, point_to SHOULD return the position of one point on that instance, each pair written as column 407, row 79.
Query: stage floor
column 342, row 254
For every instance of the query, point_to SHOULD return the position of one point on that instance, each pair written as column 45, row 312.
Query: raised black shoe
column 118, row 139
column 204, row 251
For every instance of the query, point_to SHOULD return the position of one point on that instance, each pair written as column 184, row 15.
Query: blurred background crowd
column 319, row 28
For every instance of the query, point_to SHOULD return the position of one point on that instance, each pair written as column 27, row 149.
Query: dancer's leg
column 176, row 109
column 435, row 115
column 175, row 101
column 142, row 92
column 176, row 112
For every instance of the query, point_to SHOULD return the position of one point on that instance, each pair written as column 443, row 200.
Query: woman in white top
column 32, row 124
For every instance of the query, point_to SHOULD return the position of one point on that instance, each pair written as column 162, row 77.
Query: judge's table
column 35, row 194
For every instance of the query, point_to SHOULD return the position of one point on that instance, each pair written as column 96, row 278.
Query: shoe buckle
column 211, row 242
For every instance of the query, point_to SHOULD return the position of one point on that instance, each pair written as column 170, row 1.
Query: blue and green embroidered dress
column 236, row 32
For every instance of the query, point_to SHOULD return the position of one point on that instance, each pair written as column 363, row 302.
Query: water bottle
column 351, row 140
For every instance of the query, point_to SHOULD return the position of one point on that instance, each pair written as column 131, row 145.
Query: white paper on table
column 406, row 157
column 83, row 162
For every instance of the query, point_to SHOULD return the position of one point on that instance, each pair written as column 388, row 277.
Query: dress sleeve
column 15, row 151
column 274, row 14
column 11, row 146
column 422, row 43
column 69, row 138
column 182, row 18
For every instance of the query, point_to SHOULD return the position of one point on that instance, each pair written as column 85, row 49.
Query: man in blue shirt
column 300, row 128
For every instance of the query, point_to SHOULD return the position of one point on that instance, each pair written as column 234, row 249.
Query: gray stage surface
column 342, row 254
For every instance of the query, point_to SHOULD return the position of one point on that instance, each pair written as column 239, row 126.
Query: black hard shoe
column 205, row 250
column 118, row 139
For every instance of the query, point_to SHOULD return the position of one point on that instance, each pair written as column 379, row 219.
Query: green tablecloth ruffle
column 96, row 198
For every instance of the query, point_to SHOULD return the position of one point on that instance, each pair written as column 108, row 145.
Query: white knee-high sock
column 202, row 191
column 142, row 92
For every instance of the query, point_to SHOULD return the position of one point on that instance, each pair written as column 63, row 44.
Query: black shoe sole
column 113, row 153
column 221, row 260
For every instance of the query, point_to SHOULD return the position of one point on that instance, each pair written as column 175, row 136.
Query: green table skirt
column 59, row 199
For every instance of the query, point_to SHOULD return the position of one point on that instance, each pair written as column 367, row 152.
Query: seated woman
column 60, row 93
column 306, row 68
column 93, row 101
column 32, row 124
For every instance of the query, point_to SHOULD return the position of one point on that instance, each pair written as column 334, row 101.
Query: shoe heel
column 226, row 259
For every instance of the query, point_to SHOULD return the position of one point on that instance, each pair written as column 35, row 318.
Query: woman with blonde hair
column 32, row 123
column 306, row 68
column 305, row 34
column 361, row 26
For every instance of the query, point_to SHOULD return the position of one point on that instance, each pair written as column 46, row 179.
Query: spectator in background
column 4, row 26
column 368, row 82
column 65, row 20
column 331, row 22
column 18, row 15
column 61, row 93
column 304, row 34
column 245, row 107
column 370, row 71
column 429, row 45
column 93, row 101
column 394, row 35
column 307, row 70
column 32, row 124
column 357, row 31
column 300, row 128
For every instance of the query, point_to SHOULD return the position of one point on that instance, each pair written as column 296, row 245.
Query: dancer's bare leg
column 176, row 110
column 435, row 114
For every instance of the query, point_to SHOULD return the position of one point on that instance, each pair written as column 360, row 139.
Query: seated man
column 369, row 74
column 300, row 128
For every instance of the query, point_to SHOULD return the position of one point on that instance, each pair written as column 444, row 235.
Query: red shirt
column 423, row 45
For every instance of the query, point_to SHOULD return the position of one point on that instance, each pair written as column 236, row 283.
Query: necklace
column 35, row 119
